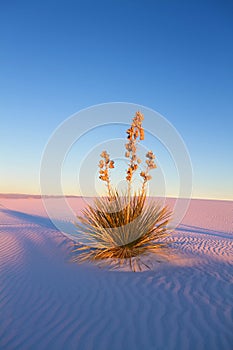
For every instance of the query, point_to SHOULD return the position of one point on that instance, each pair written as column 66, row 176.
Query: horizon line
column 37, row 196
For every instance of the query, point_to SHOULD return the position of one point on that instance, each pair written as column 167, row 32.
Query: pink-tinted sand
column 47, row 302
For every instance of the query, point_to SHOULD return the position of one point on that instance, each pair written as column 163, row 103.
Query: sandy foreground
column 48, row 302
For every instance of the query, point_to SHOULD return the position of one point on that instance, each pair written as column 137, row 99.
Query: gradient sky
column 57, row 57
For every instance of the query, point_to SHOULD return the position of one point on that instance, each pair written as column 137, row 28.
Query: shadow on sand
column 31, row 219
column 65, row 227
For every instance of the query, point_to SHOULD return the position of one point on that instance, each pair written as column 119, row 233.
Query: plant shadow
column 29, row 218
column 67, row 228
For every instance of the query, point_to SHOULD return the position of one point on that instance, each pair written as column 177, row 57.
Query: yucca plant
column 121, row 228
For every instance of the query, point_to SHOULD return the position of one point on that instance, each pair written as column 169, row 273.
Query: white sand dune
column 47, row 302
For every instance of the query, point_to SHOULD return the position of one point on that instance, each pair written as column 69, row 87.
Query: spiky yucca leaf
column 121, row 228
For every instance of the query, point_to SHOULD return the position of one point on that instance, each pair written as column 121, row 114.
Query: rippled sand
column 47, row 302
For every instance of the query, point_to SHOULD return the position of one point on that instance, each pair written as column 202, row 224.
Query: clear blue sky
column 57, row 57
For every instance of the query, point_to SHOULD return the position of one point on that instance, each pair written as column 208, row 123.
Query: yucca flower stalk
column 105, row 164
column 150, row 164
column 123, row 227
column 135, row 134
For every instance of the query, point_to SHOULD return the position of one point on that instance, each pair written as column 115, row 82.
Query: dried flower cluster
column 135, row 132
column 105, row 164
column 150, row 165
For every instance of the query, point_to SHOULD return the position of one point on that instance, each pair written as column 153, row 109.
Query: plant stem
column 109, row 189
column 128, row 199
